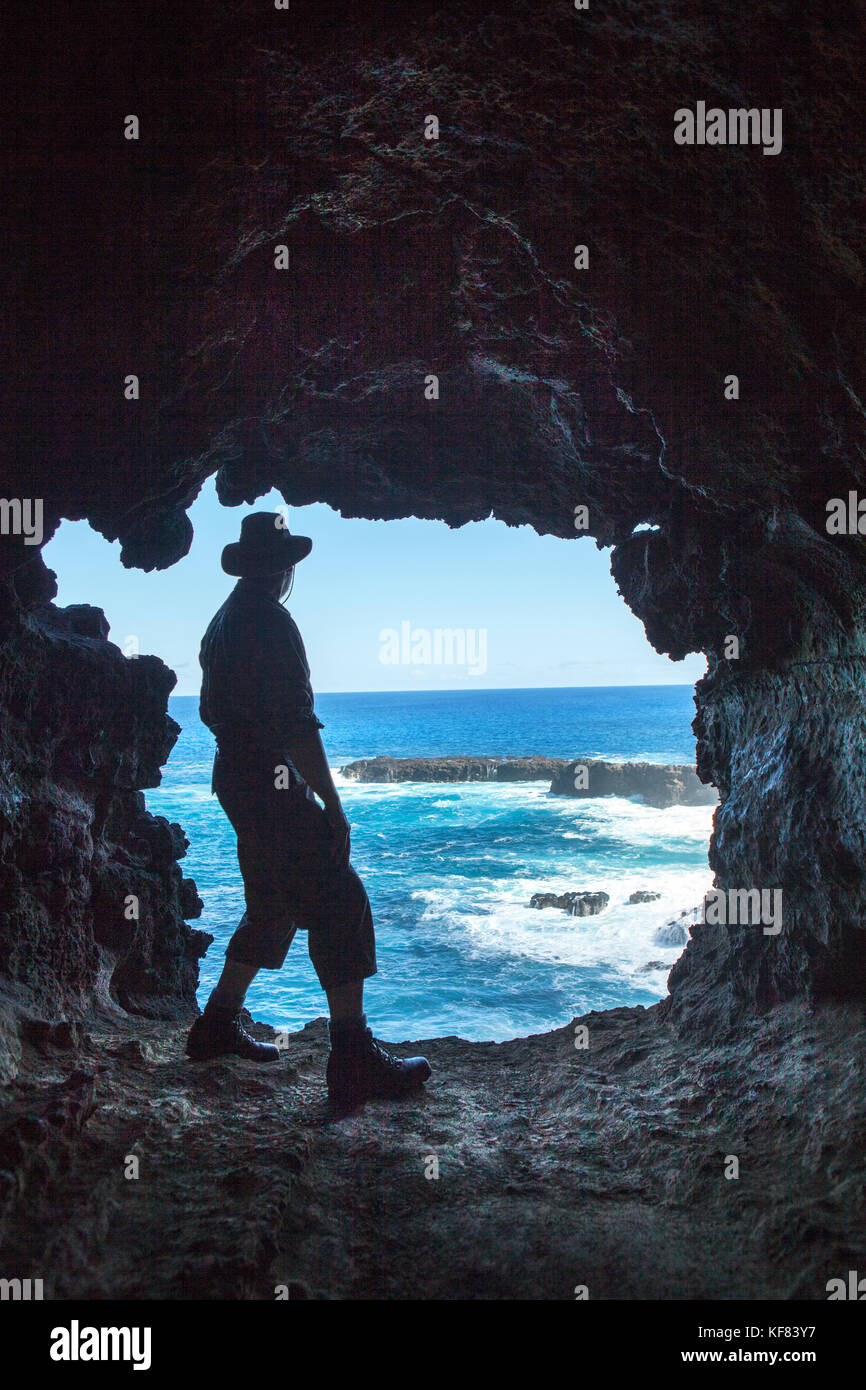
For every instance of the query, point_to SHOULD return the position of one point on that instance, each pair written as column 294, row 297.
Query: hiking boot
column 360, row 1069
column 219, row 1033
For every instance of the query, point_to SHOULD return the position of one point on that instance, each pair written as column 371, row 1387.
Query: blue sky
column 548, row 608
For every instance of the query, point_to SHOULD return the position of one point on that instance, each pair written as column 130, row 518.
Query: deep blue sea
column 450, row 869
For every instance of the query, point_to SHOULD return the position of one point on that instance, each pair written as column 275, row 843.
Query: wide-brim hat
column 266, row 547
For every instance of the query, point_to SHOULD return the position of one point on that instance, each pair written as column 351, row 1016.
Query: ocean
column 450, row 869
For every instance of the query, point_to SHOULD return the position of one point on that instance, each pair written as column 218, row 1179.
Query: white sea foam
column 496, row 920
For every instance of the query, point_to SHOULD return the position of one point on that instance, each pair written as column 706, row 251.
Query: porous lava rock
column 92, row 899
column 558, row 387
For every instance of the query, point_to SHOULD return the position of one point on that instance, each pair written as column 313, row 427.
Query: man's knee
column 343, row 948
column 260, row 942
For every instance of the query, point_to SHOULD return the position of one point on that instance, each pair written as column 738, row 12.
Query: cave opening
column 395, row 617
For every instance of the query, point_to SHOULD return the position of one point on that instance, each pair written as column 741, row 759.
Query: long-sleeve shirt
column 256, row 690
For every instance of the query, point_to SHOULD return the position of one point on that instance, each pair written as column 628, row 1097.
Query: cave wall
column 92, row 899
column 557, row 387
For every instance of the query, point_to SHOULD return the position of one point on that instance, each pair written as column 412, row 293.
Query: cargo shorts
column 290, row 880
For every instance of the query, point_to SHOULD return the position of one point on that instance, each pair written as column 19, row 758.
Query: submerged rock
column 576, row 904
column 643, row 895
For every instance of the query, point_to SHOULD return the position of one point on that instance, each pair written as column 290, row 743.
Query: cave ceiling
column 409, row 257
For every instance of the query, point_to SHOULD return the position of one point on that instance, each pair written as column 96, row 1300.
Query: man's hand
column 340, row 832
column 308, row 756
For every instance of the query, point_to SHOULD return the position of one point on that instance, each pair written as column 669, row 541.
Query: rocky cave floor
column 558, row 1167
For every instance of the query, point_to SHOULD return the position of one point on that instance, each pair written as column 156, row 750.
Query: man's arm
column 307, row 752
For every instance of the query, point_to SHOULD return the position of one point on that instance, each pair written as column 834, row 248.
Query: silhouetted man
column 293, row 855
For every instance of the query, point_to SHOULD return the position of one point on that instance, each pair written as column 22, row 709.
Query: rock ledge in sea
column 463, row 768
column 659, row 784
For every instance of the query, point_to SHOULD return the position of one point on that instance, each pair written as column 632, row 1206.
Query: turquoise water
column 450, row 869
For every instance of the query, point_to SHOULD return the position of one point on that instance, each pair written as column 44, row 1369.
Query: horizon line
column 493, row 689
